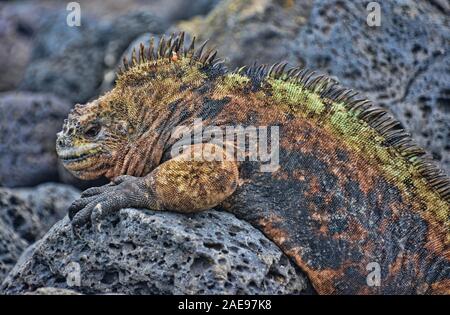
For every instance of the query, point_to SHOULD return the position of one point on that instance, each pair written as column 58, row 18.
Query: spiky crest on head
column 153, row 58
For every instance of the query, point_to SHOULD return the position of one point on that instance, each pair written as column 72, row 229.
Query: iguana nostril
column 60, row 141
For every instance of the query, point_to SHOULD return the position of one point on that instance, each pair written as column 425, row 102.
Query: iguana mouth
column 73, row 156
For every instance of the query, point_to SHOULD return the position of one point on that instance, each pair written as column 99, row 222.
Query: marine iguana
column 352, row 189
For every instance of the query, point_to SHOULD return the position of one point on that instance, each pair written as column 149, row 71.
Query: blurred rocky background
column 46, row 67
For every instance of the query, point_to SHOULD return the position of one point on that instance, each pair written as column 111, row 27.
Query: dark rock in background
column 30, row 212
column 182, row 10
column 147, row 252
column 167, row 10
column 71, row 61
column 16, row 42
column 49, row 201
column 19, row 216
column 402, row 65
column 245, row 32
column 28, row 126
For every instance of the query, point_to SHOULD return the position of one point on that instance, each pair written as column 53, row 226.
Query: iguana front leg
column 181, row 184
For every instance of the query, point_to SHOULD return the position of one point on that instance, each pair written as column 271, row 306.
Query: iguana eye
column 92, row 131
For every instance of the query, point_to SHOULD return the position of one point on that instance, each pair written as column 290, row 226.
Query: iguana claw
column 98, row 202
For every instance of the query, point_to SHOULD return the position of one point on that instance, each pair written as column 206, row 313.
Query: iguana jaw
column 84, row 162
column 75, row 155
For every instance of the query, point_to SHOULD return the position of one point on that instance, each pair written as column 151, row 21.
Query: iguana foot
column 98, row 202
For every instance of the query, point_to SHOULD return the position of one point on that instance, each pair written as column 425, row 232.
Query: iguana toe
column 99, row 202
column 96, row 190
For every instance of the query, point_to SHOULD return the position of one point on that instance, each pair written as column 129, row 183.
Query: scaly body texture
column 352, row 194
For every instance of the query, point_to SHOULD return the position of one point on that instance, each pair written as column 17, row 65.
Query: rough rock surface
column 19, row 226
column 11, row 246
column 403, row 64
column 16, row 213
column 30, row 212
column 28, row 126
column 147, row 252
column 49, row 201
column 67, row 61
column 26, row 214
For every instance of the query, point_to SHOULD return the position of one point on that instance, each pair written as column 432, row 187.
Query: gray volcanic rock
column 15, row 47
column 71, row 61
column 16, row 213
column 148, row 252
column 11, row 247
column 67, row 61
column 30, row 212
column 28, row 126
column 181, row 9
column 26, row 214
column 49, row 201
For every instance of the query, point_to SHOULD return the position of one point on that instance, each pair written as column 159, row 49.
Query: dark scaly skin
column 341, row 199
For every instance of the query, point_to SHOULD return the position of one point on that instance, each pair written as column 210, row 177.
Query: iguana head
column 99, row 136
column 92, row 137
